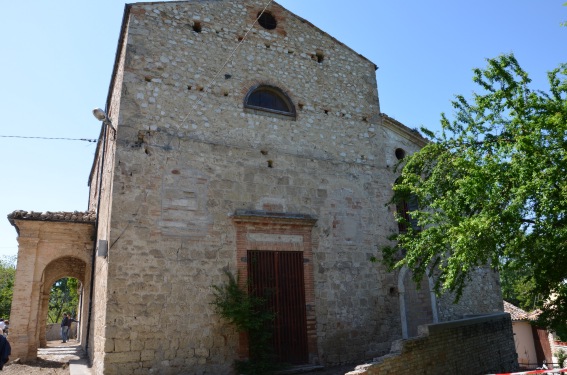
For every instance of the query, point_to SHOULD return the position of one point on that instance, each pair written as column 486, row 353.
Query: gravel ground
column 49, row 367
column 52, row 360
column 39, row 367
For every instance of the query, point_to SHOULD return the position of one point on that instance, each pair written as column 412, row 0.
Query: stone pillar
column 23, row 320
column 42, row 320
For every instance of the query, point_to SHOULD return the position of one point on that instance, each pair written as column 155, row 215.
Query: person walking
column 66, row 326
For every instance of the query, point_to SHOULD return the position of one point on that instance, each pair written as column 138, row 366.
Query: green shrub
column 561, row 357
column 248, row 314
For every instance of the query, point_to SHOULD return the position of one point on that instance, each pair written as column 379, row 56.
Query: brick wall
column 482, row 295
column 473, row 346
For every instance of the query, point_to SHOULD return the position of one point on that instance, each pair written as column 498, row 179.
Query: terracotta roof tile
column 73, row 217
column 518, row 314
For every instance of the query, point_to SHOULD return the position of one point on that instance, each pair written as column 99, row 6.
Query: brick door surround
column 272, row 231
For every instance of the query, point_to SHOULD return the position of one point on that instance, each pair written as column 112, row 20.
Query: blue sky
column 57, row 57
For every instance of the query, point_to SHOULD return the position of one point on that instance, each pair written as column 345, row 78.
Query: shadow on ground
column 52, row 360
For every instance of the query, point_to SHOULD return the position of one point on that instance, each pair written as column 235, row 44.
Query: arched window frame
column 290, row 114
column 403, row 207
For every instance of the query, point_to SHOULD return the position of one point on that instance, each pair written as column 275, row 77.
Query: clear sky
column 57, row 58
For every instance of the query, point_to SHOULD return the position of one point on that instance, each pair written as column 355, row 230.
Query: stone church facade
column 258, row 148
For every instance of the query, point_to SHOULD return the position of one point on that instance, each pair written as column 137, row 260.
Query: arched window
column 404, row 206
column 267, row 20
column 269, row 99
column 400, row 153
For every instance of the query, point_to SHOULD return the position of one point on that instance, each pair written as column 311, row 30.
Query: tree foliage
column 7, row 275
column 517, row 286
column 492, row 188
column 64, row 297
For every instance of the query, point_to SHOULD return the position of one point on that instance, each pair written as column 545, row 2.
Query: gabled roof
column 303, row 20
column 127, row 9
column 412, row 134
column 518, row 314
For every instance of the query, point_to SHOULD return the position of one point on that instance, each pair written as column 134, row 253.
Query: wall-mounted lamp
column 101, row 116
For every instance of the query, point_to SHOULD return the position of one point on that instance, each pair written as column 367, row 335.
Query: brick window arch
column 269, row 99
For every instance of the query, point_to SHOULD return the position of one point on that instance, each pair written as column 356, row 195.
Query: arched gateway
column 51, row 246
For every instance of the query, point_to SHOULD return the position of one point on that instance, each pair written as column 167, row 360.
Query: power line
column 50, row 138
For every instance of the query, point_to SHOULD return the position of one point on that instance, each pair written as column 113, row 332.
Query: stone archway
column 50, row 246
column 57, row 269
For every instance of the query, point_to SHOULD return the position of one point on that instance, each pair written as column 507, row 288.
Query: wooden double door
column 278, row 277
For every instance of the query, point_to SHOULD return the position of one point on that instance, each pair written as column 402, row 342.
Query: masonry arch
column 269, row 99
column 418, row 306
column 57, row 269
column 50, row 246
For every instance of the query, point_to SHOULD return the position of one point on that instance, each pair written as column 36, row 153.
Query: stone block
column 124, row 357
column 121, row 345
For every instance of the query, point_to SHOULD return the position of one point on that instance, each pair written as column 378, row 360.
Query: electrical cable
column 50, row 138
column 209, row 84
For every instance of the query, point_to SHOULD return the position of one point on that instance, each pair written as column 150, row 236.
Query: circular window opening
column 267, row 20
column 400, row 154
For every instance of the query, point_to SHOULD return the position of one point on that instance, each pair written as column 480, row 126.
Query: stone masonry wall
column 188, row 155
column 482, row 295
column 53, row 332
column 474, row 346
column 100, row 200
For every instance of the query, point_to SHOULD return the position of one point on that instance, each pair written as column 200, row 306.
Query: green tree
column 492, row 188
column 64, row 297
column 517, row 286
column 7, row 275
